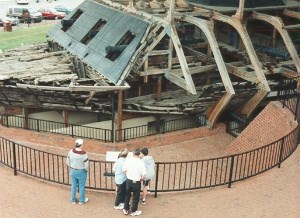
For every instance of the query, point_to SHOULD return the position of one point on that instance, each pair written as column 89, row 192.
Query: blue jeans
column 78, row 178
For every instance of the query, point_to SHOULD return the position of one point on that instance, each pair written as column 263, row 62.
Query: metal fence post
column 281, row 152
column 38, row 125
column 156, row 181
column 124, row 136
column 72, row 130
column 14, row 158
column 7, row 121
column 231, row 171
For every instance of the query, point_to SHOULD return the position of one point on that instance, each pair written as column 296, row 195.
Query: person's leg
column 116, row 201
column 82, row 180
column 74, row 183
column 136, row 189
column 122, row 192
column 120, row 198
column 145, row 190
column 127, row 194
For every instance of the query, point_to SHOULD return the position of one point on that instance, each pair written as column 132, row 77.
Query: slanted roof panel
column 93, row 53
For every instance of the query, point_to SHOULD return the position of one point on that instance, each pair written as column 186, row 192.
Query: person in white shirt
column 135, row 171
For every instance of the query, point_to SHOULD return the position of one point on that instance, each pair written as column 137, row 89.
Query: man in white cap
column 78, row 162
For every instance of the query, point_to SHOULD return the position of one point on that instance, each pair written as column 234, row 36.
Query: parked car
column 50, row 13
column 20, row 11
column 13, row 21
column 64, row 9
column 25, row 2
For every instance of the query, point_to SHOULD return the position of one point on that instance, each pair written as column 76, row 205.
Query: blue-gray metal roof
column 118, row 23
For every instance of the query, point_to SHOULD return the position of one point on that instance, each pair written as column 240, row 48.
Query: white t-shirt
column 134, row 168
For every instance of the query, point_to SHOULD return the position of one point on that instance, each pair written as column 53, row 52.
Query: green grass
column 23, row 36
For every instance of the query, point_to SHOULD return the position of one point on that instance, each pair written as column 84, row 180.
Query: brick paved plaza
column 275, row 193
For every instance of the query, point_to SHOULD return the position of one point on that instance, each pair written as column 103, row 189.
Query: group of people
column 132, row 175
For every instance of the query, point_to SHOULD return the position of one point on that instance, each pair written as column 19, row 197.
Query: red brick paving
column 273, row 194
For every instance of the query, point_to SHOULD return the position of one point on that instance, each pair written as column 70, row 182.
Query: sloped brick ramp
column 269, row 126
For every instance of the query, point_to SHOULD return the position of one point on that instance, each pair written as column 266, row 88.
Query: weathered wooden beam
column 240, row 11
column 207, row 29
column 279, row 25
column 292, row 27
column 252, row 104
column 240, row 28
column 65, row 114
column 242, row 72
column 178, row 72
column 76, row 88
column 120, row 114
column 216, row 110
column 189, row 84
column 289, row 13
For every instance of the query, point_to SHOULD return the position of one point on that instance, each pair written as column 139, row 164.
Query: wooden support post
column 158, row 123
column 120, row 115
column 274, row 37
column 66, row 117
column 139, row 90
column 209, row 55
column 240, row 11
column 158, row 88
column 26, row 114
column 146, row 79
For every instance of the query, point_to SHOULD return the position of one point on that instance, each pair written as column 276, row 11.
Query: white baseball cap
column 79, row 142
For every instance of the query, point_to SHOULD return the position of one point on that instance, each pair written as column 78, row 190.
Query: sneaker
column 73, row 202
column 136, row 213
column 85, row 201
column 119, row 207
column 125, row 212
column 143, row 202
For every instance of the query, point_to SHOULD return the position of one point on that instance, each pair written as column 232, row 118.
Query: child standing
column 150, row 165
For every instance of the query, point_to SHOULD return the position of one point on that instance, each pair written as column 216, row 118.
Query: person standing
column 78, row 162
column 150, row 165
column 120, row 179
column 135, row 171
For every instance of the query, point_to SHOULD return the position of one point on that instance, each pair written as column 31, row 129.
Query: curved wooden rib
column 240, row 28
column 279, row 25
column 264, row 87
column 219, row 106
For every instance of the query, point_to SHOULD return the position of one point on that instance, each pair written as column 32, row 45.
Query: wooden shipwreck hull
column 159, row 59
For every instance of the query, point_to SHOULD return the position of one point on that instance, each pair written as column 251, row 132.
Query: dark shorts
column 146, row 182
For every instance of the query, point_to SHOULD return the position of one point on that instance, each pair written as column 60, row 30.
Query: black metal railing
column 292, row 105
column 236, row 124
column 152, row 128
column 56, row 127
column 161, row 127
column 170, row 176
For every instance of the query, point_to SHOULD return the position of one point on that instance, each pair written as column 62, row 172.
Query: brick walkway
column 273, row 194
